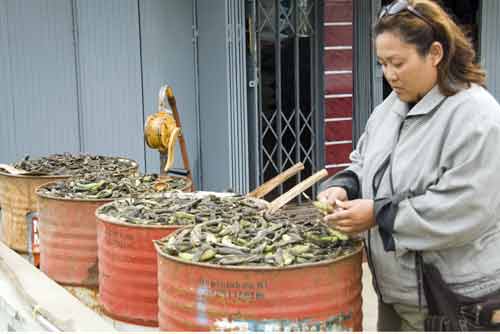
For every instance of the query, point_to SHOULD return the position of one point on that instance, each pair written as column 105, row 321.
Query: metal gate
column 284, row 70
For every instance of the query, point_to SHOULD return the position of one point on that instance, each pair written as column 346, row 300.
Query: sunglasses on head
column 399, row 6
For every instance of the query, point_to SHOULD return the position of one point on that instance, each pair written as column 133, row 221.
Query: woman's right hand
column 331, row 195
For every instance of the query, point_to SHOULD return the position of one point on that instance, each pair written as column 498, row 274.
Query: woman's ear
column 436, row 53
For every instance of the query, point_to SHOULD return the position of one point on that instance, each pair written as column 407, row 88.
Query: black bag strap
column 442, row 302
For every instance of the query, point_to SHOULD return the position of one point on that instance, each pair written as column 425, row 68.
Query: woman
column 424, row 179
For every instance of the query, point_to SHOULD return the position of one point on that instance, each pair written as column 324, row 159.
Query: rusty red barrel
column 128, row 289
column 68, row 239
column 324, row 296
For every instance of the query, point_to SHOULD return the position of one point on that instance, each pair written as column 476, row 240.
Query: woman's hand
column 331, row 195
column 356, row 216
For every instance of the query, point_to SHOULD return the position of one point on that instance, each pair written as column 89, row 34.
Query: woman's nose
column 390, row 74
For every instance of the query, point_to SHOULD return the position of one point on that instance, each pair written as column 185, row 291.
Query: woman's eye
column 398, row 65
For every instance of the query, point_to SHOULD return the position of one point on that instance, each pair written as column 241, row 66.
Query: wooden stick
column 279, row 202
column 182, row 142
column 268, row 186
column 13, row 170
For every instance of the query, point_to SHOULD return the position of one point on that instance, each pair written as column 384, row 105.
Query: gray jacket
column 446, row 191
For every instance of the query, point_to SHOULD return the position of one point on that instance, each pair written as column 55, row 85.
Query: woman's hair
column 458, row 66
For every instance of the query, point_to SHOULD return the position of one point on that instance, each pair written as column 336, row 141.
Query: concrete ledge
column 46, row 297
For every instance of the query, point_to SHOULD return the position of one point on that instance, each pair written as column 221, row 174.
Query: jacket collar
column 426, row 105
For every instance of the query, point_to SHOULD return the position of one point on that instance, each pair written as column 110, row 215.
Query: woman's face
column 410, row 75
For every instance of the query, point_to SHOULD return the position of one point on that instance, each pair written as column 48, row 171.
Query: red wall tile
column 341, row 130
column 338, row 107
column 338, row 84
column 338, row 11
column 338, row 36
column 337, row 154
column 338, row 60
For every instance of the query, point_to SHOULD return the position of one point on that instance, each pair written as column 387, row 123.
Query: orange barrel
column 128, row 289
column 18, row 203
column 68, row 239
column 323, row 296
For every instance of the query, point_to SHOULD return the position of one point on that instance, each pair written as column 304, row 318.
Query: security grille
column 287, row 100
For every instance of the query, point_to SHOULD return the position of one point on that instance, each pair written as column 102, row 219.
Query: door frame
column 254, row 92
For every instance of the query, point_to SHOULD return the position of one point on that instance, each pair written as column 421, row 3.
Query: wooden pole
column 182, row 142
column 279, row 202
column 268, row 186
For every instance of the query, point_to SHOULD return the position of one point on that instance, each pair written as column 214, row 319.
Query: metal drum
column 19, row 206
column 128, row 289
column 323, row 296
column 128, row 286
column 68, row 239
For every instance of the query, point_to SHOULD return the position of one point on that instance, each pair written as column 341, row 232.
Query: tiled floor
column 369, row 302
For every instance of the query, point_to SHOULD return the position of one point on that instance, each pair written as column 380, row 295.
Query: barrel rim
column 105, row 219
column 134, row 166
column 30, row 177
column 161, row 253
column 197, row 194
column 39, row 193
column 73, row 200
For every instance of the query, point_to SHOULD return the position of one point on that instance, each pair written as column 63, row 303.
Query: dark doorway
column 283, row 68
column 465, row 13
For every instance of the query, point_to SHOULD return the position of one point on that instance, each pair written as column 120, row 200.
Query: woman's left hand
column 354, row 216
